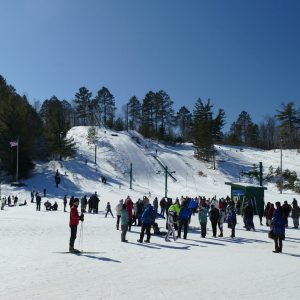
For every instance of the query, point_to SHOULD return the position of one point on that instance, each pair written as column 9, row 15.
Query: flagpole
column 17, row 171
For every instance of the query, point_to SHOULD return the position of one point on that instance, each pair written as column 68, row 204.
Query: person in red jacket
column 74, row 221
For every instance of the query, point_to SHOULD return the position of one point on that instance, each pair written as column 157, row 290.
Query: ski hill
column 35, row 264
column 115, row 151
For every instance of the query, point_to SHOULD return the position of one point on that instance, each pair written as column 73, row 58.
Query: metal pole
column 166, row 181
column 95, row 154
column 131, row 176
column 260, row 174
column 17, row 171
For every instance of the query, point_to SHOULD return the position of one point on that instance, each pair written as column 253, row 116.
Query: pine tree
column 184, row 122
column 134, row 113
column 83, row 106
column 147, row 126
column 289, row 118
column 104, row 103
column 18, row 119
column 55, row 129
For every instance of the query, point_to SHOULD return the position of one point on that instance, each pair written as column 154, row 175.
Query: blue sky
column 244, row 55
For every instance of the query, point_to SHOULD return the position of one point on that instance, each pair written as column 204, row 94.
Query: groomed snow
column 32, row 266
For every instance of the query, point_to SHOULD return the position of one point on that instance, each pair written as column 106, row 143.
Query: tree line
column 42, row 128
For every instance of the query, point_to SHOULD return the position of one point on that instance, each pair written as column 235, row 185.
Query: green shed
column 248, row 192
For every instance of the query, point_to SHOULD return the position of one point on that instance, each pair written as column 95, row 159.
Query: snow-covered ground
column 33, row 267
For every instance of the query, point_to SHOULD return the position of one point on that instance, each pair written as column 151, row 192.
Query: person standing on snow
column 118, row 210
column 148, row 218
column 74, row 221
column 221, row 221
column 129, row 206
column 171, row 228
column 38, row 202
column 286, row 209
column 184, row 216
column 214, row 217
column 295, row 214
column 202, row 215
column 65, row 202
column 231, row 219
column 278, row 227
column 124, row 222
column 108, row 210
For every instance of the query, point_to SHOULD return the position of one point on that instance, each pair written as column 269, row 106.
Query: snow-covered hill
column 34, row 266
column 115, row 152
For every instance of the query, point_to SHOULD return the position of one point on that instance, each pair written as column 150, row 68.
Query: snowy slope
column 32, row 266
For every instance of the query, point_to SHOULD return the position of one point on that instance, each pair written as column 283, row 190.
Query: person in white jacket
column 118, row 210
column 171, row 226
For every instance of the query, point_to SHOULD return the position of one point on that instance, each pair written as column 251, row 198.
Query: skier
column 148, row 218
column 74, row 220
column 57, row 178
column 171, row 228
column 65, row 202
column 124, row 222
column 54, row 206
column 108, row 210
column 278, row 227
column 32, row 195
column 155, row 204
column 214, row 217
column 118, row 210
column 202, row 215
column 269, row 215
column 45, row 192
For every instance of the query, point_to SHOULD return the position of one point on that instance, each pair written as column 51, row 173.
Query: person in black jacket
column 248, row 217
column 286, row 209
column 214, row 215
column 38, row 202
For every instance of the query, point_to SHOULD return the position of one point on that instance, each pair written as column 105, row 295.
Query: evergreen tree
column 134, row 113
column 104, row 104
column 55, row 129
column 18, row 119
column 83, row 106
column 289, row 118
column 164, row 114
column 147, row 126
column 184, row 122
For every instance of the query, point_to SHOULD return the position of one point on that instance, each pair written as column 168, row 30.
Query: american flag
column 14, row 144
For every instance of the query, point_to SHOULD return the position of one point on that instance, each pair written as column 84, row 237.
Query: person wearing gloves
column 74, row 221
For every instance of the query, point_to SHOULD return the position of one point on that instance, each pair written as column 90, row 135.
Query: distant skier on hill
column 57, row 178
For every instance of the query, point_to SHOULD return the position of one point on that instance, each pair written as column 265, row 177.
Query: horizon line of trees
column 42, row 128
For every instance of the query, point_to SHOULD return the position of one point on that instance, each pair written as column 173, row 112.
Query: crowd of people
column 178, row 216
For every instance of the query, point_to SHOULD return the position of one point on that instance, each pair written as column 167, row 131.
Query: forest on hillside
column 41, row 129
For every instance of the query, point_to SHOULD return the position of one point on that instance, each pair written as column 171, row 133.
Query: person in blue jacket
column 184, row 216
column 278, row 227
column 148, row 218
